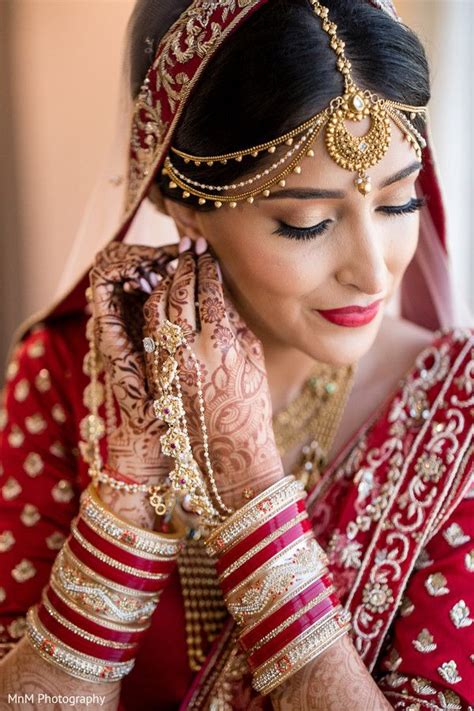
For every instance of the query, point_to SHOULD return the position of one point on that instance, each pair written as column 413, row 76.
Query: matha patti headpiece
column 354, row 153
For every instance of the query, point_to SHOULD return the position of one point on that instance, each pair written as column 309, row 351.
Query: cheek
column 402, row 247
column 267, row 267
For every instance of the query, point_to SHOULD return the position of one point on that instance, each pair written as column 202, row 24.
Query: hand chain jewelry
column 185, row 479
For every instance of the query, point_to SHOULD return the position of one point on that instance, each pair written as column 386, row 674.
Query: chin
column 339, row 345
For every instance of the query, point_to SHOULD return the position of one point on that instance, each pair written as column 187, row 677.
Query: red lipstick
column 352, row 316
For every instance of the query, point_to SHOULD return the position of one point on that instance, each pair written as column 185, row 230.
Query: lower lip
column 351, row 319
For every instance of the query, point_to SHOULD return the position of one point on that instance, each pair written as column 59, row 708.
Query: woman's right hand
column 236, row 401
column 133, row 449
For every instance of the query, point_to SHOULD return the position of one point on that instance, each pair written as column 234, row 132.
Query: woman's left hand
column 236, row 397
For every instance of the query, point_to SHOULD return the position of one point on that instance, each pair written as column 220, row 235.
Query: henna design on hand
column 134, row 447
column 237, row 399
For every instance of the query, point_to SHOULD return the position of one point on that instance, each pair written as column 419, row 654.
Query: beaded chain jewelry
column 185, row 479
column 353, row 153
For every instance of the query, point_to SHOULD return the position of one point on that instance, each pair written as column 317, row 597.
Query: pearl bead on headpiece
column 354, row 153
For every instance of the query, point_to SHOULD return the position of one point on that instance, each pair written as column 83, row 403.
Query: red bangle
column 121, row 555
column 89, row 625
column 111, row 573
column 287, row 635
column 248, row 640
column 291, row 511
column 80, row 644
column 264, row 555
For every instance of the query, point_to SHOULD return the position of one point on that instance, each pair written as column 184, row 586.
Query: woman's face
column 344, row 250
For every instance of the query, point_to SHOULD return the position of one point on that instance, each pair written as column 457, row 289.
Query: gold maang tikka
column 354, row 153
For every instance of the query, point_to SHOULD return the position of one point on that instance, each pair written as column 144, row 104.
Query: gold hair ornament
column 354, row 153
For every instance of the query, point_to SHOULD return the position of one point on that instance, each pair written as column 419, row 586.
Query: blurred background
column 60, row 62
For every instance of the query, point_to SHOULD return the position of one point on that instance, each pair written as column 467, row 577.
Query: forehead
column 323, row 172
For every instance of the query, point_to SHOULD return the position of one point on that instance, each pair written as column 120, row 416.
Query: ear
column 185, row 219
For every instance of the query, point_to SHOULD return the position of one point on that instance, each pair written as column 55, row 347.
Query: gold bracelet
column 77, row 664
column 128, row 616
column 305, row 648
column 49, row 607
column 167, row 545
column 111, row 561
column 292, row 618
column 279, row 602
column 261, row 544
column 254, row 514
column 298, row 562
column 73, row 573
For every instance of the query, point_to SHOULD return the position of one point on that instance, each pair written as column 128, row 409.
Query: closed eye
column 411, row 206
column 302, row 233
column 307, row 233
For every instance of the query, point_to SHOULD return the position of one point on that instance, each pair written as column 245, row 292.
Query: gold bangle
column 77, row 664
column 111, row 561
column 274, row 581
column 77, row 566
column 305, row 648
column 282, row 601
column 106, row 622
column 254, row 513
column 144, row 555
column 261, row 544
column 49, row 607
column 292, row 618
column 154, row 542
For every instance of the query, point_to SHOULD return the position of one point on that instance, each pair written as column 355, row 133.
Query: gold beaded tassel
column 204, row 606
column 92, row 426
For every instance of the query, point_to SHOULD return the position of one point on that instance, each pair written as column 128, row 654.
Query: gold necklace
column 316, row 412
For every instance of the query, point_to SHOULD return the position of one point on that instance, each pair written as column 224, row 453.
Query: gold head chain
column 354, row 153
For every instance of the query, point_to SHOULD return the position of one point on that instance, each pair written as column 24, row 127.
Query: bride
column 246, row 460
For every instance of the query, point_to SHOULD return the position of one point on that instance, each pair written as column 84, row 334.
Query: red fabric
column 35, row 511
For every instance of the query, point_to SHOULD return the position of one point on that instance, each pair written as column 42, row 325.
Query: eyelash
column 307, row 233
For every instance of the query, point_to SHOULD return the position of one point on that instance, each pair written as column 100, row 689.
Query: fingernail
column 145, row 285
column 154, row 279
column 184, row 244
column 219, row 272
column 200, row 246
column 127, row 287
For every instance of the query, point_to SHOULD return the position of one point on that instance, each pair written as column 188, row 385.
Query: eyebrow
column 316, row 193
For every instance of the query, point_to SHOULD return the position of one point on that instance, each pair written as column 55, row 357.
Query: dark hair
column 275, row 72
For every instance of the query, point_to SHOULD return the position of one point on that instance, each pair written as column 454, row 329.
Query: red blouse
column 425, row 654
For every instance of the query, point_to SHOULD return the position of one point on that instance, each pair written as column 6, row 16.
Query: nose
column 364, row 265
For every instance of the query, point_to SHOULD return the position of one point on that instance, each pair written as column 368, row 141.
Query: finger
column 215, row 324
column 181, row 306
column 155, row 313
column 155, row 308
column 131, row 264
column 125, row 366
